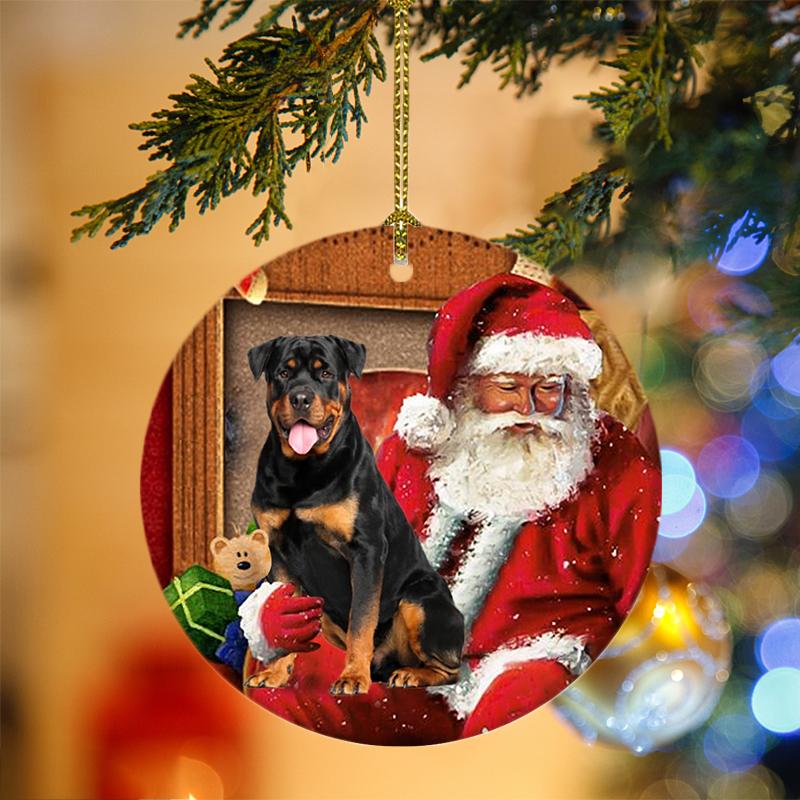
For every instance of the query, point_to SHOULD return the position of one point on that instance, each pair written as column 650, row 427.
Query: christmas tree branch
column 571, row 218
column 291, row 91
column 691, row 169
column 210, row 8
column 657, row 67
column 518, row 39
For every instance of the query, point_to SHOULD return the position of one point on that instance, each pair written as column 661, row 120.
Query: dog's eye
column 326, row 375
column 283, row 374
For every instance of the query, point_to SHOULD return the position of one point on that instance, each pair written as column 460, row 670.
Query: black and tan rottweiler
column 337, row 532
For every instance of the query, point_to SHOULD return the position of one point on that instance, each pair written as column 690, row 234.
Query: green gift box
column 204, row 604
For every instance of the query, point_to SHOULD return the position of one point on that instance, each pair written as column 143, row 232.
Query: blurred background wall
column 87, row 336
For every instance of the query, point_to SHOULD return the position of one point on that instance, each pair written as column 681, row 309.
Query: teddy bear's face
column 243, row 560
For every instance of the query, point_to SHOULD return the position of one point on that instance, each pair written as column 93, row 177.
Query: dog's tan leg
column 395, row 645
column 333, row 633
column 355, row 677
column 366, row 578
column 406, row 677
column 429, row 671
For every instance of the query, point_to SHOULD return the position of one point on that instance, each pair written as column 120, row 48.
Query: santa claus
column 538, row 509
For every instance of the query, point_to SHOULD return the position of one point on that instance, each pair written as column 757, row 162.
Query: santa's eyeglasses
column 549, row 394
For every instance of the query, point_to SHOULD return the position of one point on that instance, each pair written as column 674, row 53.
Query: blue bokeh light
column 742, row 254
column 734, row 743
column 776, row 700
column 678, row 481
column 786, row 368
column 667, row 550
column 765, row 435
column 687, row 520
column 788, row 431
column 771, row 406
column 778, row 645
column 767, row 393
column 728, row 466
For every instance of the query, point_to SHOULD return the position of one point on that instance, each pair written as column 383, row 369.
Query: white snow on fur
column 249, row 613
column 424, row 422
column 465, row 695
column 478, row 571
column 537, row 354
column 442, row 527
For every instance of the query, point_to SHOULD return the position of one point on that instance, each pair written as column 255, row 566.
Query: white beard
column 486, row 470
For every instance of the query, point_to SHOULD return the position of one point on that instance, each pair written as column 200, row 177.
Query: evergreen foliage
column 688, row 163
column 518, row 39
column 571, row 218
column 305, row 80
column 657, row 69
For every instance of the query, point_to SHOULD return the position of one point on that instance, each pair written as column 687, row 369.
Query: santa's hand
column 290, row 623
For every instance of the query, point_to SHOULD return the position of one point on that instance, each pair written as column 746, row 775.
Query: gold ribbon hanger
column 401, row 270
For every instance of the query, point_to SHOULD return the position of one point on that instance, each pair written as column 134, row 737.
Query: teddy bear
column 244, row 560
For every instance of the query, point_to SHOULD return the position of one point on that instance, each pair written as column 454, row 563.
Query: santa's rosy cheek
column 549, row 405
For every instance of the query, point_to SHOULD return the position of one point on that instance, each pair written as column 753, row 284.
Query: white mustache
column 493, row 422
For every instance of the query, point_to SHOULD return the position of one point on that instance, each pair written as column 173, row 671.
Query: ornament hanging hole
column 401, row 271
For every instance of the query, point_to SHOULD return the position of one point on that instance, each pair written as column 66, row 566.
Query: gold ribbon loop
column 401, row 217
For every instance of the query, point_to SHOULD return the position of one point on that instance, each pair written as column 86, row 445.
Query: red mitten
column 290, row 623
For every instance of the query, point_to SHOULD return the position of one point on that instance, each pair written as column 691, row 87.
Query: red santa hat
column 506, row 323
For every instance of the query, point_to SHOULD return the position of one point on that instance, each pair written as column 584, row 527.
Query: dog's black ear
column 355, row 354
column 259, row 356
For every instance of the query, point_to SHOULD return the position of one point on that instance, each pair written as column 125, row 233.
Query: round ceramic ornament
column 400, row 512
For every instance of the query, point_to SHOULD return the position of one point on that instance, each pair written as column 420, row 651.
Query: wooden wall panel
column 352, row 269
column 197, row 419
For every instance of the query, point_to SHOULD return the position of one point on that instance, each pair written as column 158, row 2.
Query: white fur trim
column 424, row 422
column 465, row 695
column 481, row 564
column 249, row 612
column 536, row 354
column 477, row 573
column 441, row 528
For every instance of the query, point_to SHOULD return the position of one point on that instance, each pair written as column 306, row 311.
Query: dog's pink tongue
column 302, row 437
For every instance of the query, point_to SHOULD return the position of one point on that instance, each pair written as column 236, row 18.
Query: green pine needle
column 657, row 67
column 210, row 8
column 518, row 39
column 570, row 219
column 279, row 96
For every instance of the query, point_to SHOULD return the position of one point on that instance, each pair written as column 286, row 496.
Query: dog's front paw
column 406, row 677
column 351, row 683
column 274, row 676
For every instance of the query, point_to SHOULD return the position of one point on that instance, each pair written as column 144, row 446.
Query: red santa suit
column 552, row 589
column 542, row 593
